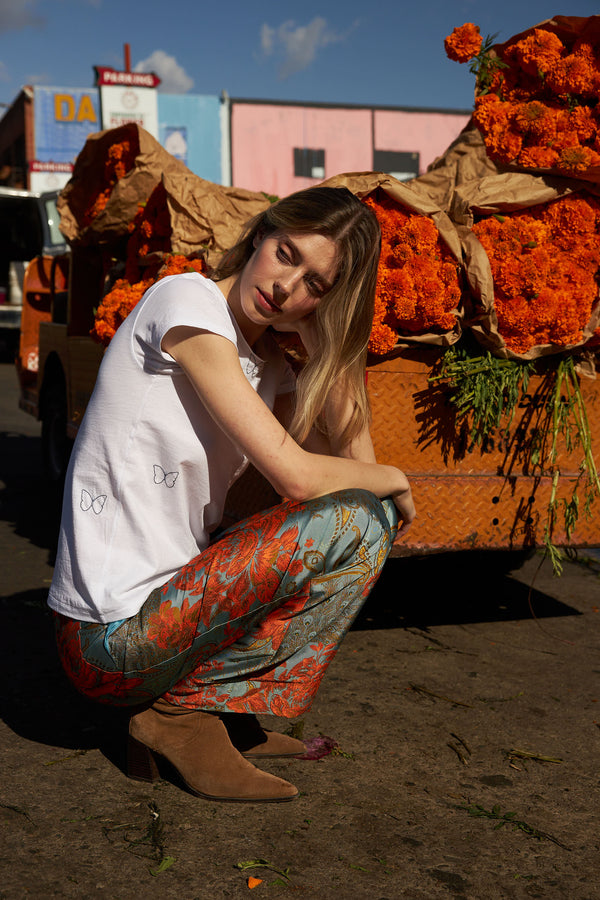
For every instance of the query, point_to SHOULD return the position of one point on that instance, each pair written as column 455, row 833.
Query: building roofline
column 368, row 106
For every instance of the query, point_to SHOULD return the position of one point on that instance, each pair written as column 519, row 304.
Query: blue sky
column 378, row 53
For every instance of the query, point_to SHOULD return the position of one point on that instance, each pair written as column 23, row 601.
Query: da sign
column 64, row 117
column 68, row 108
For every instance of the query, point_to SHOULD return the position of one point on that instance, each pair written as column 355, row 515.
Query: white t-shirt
column 150, row 469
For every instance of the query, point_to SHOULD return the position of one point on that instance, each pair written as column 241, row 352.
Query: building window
column 309, row 163
column 402, row 166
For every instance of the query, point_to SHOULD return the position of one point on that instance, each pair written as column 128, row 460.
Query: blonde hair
column 344, row 315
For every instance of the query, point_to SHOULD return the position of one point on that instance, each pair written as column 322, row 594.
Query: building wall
column 427, row 132
column 263, row 138
column 276, row 147
column 16, row 141
column 63, row 119
column 265, row 135
column 189, row 127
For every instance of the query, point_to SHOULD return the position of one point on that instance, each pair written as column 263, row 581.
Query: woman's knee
column 376, row 519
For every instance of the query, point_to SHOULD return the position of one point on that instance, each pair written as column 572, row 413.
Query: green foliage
column 486, row 64
column 485, row 388
column 263, row 864
column 509, row 818
column 486, row 392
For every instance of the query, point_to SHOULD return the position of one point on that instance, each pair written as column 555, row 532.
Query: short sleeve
column 187, row 299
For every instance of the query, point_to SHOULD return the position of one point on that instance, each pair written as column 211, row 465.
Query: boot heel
column 141, row 764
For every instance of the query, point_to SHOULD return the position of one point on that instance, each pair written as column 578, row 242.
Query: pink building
column 280, row 147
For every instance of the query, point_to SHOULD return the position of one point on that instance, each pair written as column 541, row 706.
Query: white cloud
column 41, row 78
column 18, row 14
column 297, row 45
column 266, row 39
column 174, row 79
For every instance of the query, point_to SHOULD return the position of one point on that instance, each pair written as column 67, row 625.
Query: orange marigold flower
column 535, row 119
column 582, row 120
column 504, row 146
column 494, row 120
column 583, row 48
column 464, row 43
column 571, row 75
column 119, row 160
column 537, row 52
column 383, row 339
column 577, row 159
column 537, row 157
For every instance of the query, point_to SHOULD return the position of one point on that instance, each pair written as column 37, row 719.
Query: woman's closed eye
column 284, row 255
column 315, row 287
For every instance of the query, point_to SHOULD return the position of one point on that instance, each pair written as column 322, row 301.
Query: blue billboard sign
column 63, row 119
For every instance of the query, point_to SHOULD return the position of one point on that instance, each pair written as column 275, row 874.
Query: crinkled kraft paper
column 203, row 214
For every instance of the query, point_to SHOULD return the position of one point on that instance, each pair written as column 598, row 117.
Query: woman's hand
column 306, row 330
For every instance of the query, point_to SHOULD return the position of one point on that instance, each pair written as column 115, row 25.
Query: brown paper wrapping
column 363, row 183
column 203, row 214
column 465, row 160
column 111, row 225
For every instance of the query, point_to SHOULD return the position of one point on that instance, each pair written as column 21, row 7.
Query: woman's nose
column 285, row 284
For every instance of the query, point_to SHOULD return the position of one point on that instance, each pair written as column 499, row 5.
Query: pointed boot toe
column 254, row 742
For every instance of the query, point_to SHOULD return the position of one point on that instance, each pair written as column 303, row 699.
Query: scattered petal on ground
column 318, row 747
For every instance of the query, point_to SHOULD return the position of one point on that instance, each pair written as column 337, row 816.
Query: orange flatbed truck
column 466, row 497
column 58, row 361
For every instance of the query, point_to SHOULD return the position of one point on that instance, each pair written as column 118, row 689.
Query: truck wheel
column 56, row 447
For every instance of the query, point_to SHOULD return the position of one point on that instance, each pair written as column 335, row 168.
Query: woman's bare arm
column 212, row 365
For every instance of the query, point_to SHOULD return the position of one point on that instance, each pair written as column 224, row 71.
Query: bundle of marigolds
column 545, row 262
column 418, row 288
column 537, row 94
column 123, row 297
column 120, row 159
column 150, row 232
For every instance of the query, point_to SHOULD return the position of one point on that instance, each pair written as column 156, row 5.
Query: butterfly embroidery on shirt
column 160, row 475
column 88, row 502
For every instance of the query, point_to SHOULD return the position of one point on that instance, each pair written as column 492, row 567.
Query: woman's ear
column 257, row 239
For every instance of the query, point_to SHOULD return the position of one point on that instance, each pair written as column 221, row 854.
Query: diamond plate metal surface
column 466, row 497
column 469, row 497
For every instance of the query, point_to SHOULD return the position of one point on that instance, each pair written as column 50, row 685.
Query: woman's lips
column 266, row 301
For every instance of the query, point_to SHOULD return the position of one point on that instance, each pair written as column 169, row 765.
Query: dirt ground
column 465, row 707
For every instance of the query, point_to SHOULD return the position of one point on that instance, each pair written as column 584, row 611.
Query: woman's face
column 286, row 277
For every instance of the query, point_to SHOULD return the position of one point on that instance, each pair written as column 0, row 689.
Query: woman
column 200, row 636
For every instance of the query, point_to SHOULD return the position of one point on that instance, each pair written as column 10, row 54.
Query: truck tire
column 56, row 447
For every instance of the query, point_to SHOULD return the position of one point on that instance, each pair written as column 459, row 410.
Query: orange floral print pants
column 249, row 625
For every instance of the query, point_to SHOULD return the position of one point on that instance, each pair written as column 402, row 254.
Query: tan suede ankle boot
column 254, row 742
column 196, row 743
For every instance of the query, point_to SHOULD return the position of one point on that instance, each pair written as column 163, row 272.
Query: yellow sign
column 66, row 108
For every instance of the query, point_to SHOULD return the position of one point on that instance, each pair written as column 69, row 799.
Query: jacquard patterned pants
column 249, row 625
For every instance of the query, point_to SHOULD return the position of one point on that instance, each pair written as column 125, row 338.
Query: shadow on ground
column 28, row 500
column 411, row 593
column 454, row 589
column 41, row 705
